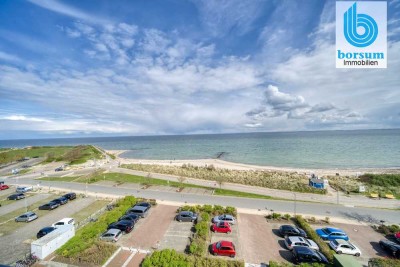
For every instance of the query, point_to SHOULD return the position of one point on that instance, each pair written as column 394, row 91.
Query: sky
column 117, row 68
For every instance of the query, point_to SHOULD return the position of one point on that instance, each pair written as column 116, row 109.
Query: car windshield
column 326, row 231
column 218, row 245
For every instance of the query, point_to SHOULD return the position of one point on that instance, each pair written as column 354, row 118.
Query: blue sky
column 109, row 68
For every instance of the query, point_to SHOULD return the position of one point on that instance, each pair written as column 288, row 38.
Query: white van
column 64, row 221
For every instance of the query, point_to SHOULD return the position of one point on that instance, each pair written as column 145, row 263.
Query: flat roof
column 52, row 235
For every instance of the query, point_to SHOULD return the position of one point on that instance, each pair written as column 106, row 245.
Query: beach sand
column 217, row 163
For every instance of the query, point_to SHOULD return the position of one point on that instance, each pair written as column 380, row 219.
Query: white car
column 345, row 247
column 64, row 221
column 224, row 218
column 295, row 241
column 23, row 189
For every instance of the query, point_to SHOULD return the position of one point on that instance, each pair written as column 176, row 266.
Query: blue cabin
column 318, row 183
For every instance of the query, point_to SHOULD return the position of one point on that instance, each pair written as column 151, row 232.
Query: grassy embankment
column 121, row 178
column 381, row 184
column 291, row 181
column 72, row 155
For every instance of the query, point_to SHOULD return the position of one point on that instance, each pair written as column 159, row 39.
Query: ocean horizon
column 341, row 149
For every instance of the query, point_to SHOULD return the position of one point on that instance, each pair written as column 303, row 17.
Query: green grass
column 87, row 153
column 385, row 180
column 15, row 154
column 11, row 226
column 89, row 210
column 59, row 179
column 232, row 193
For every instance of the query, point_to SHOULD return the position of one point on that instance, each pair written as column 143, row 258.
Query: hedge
column 379, row 262
column 323, row 246
column 169, row 257
column 89, row 234
column 210, row 209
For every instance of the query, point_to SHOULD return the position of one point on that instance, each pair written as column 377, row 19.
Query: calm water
column 324, row 149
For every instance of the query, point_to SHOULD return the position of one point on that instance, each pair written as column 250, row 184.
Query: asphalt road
column 370, row 215
column 7, row 170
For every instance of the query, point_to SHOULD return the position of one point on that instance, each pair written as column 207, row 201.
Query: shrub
column 276, row 216
column 380, row 262
column 231, row 210
column 202, row 229
column 287, row 216
column 324, row 248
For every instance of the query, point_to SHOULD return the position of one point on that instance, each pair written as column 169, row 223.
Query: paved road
column 22, row 203
column 373, row 215
column 7, row 170
column 13, row 247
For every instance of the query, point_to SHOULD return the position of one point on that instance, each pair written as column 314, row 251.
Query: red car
column 221, row 227
column 223, row 248
column 3, row 187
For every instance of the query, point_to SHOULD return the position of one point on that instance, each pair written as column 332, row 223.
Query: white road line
column 112, row 257
column 177, row 235
column 129, row 259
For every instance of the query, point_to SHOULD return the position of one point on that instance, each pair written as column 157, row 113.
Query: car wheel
column 232, row 256
column 357, row 255
column 180, row 220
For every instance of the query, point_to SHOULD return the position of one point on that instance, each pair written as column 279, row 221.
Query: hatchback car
column 305, row 254
column 221, row 227
column 111, row 235
column 26, row 217
column 16, row 196
column 64, row 221
column 330, row 233
column 143, row 204
column 130, row 217
column 290, row 230
column 224, row 218
column 23, row 189
column 138, row 210
column 295, row 241
column 3, row 187
column 391, row 248
column 186, row 216
column 49, row 206
column 70, row 196
column 61, row 200
column 223, row 248
column 125, row 226
column 345, row 247
column 44, row 231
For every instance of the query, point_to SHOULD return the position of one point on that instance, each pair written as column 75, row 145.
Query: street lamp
column 295, row 203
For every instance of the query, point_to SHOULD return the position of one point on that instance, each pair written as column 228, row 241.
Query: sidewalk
column 331, row 197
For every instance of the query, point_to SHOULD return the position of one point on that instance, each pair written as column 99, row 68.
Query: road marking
column 128, row 259
column 112, row 257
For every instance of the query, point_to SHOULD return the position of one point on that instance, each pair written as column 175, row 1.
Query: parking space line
column 128, row 259
column 112, row 257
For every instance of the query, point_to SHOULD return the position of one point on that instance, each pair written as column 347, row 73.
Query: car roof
column 304, row 250
column 65, row 220
column 226, row 243
column 391, row 243
column 113, row 231
column 29, row 213
column 226, row 216
column 47, row 228
column 296, row 238
column 331, row 229
column 342, row 242
column 186, row 212
column 139, row 208
column 287, row 226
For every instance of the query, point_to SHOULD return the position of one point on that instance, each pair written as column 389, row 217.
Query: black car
column 60, row 201
column 70, row 196
column 130, row 217
column 17, row 196
column 45, row 231
column 391, row 248
column 49, row 206
column 143, row 204
column 290, row 230
column 59, row 169
column 306, row 254
column 124, row 225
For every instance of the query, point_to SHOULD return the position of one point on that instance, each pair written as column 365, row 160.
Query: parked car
column 305, row 254
column 23, row 189
column 26, row 217
column 330, row 233
column 345, row 247
column 138, row 210
column 44, row 231
column 64, row 221
column 391, row 248
column 143, row 204
column 3, row 187
column 111, row 235
column 223, row 248
column 16, row 196
column 59, row 169
column 295, row 241
column 130, row 217
column 70, row 196
column 60, row 200
column 221, row 227
column 186, row 216
column 124, row 225
column 290, row 230
column 224, row 218
column 49, row 206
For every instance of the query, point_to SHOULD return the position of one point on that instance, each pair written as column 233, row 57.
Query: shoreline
column 222, row 164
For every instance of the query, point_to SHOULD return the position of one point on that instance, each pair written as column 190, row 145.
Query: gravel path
column 22, row 203
column 15, row 245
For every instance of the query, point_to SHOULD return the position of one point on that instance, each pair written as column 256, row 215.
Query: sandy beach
column 246, row 167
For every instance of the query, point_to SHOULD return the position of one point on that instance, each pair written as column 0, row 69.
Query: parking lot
column 177, row 236
column 231, row 237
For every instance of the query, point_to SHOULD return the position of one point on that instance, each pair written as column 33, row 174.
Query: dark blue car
column 330, row 233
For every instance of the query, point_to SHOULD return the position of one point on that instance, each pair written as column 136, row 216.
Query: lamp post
column 295, row 203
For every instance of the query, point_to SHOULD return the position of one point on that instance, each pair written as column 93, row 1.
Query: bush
column 324, row 248
column 386, row 180
column 380, row 262
column 276, row 216
column 287, row 216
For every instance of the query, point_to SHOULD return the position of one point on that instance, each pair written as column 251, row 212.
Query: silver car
column 224, row 218
column 26, row 217
column 111, row 235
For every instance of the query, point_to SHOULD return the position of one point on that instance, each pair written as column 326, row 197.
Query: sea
column 318, row 149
